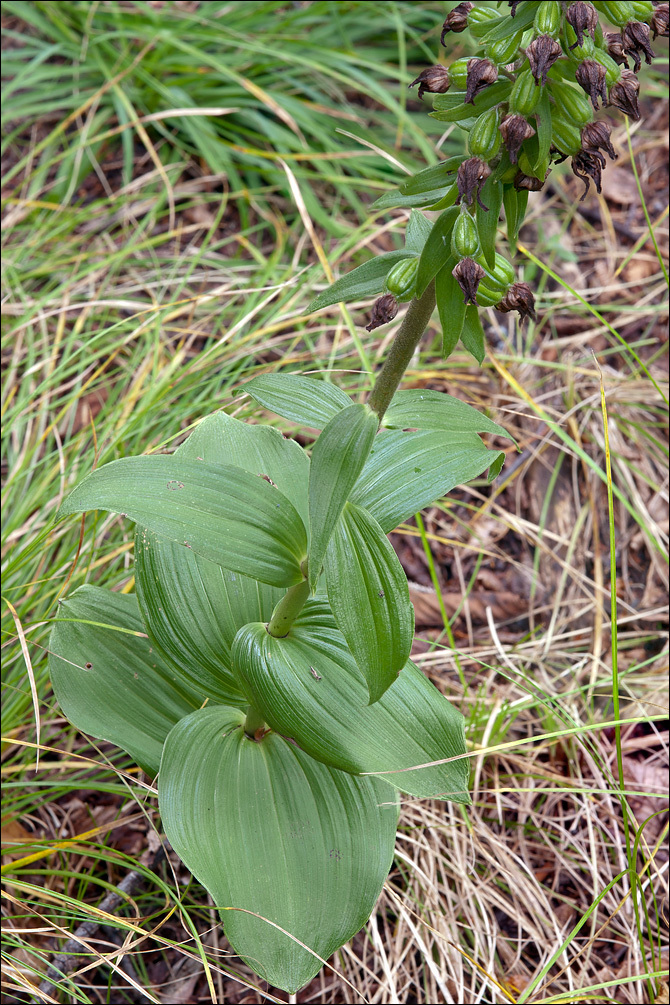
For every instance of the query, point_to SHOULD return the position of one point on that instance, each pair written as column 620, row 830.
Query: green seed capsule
column 465, row 237
column 612, row 68
column 487, row 297
column 643, row 9
column 503, row 275
column 485, row 139
column 401, row 280
column 564, row 135
column 504, row 51
column 458, row 73
column 548, row 18
column 571, row 104
column 525, row 94
column 480, row 15
column 618, row 12
column 534, row 171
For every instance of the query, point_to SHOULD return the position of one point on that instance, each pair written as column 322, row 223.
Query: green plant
column 263, row 666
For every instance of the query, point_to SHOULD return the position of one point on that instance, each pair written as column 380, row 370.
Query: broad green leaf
column 396, row 200
column 543, row 122
column 365, row 281
column 107, row 678
column 506, row 26
column 279, row 841
column 407, row 471
column 487, row 219
column 227, row 515
column 308, row 687
column 450, row 307
column 306, row 400
column 337, row 460
column 417, row 231
column 513, row 213
column 193, row 609
column 472, row 335
column 369, row 596
column 431, row 178
column 437, row 249
column 451, row 107
column 426, row 409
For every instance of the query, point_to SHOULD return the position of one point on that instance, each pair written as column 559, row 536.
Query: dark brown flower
column 583, row 17
column 514, row 4
column 591, row 77
column 615, row 48
column 623, row 94
column 660, row 20
column 434, row 79
column 519, row 297
column 528, row 182
column 635, row 41
column 596, row 136
column 456, row 20
column 469, row 275
column 588, row 165
column 514, row 131
column 542, row 54
column 470, row 177
column 481, row 73
column 383, row 311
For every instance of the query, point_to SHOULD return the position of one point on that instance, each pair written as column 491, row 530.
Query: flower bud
column 465, row 236
column 469, row 274
column 514, row 130
column 542, row 54
column 481, row 73
column 434, row 79
column 456, row 20
column 525, row 94
column 519, row 298
column 484, row 139
column 470, row 178
column 548, row 18
column 635, row 36
column 383, row 311
column 660, row 20
column 592, row 77
column 623, row 94
column 596, row 136
column 582, row 17
column 588, row 165
column 401, row 280
column 615, row 48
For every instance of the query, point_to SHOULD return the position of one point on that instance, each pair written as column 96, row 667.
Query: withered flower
column 481, row 73
column 660, row 20
column 469, row 275
column 591, row 77
column 596, row 136
column 470, row 178
column 514, row 4
column 583, row 17
column 434, row 79
column 623, row 94
column 588, row 165
column 542, row 54
column 519, row 297
column 383, row 311
column 456, row 20
column 635, row 41
column 528, row 182
column 615, row 48
column 515, row 130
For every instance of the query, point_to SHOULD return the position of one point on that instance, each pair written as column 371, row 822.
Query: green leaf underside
column 128, row 695
column 192, row 608
column 426, row 409
column 543, row 122
column 365, row 281
column 472, row 335
column 308, row 687
column 369, row 596
column 229, row 516
column 396, row 200
column 505, row 27
column 437, row 250
column 417, row 231
column 306, row 400
column 450, row 307
column 337, row 460
column 487, row 219
column 452, row 107
column 407, row 471
column 268, row 830
column 431, row 178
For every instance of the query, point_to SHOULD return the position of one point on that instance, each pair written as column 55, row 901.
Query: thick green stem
column 253, row 722
column 288, row 609
column 400, row 354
